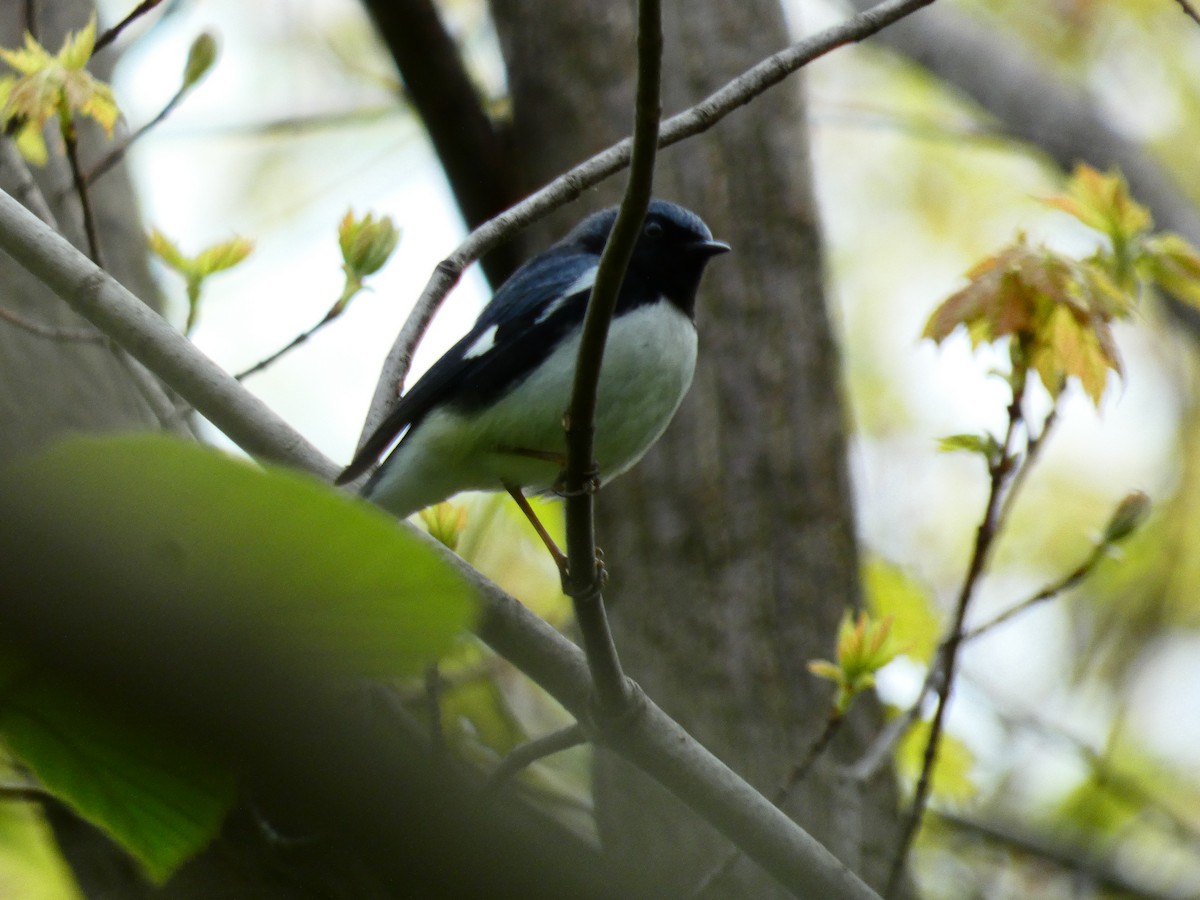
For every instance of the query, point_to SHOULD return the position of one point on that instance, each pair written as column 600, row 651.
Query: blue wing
column 516, row 331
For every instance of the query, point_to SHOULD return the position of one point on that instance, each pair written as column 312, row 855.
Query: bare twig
column 1189, row 11
column 571, row 184
column 290, row 346
column 527, row 754
column 1000, row 469
column 1033, row 448
column 83, row 335
column 434, row 688
column 1049, row 592
column 1097, row 867
column 114, row 156
column 113, row 33
column 880, row 750
column 85, row 203
column 584, row 573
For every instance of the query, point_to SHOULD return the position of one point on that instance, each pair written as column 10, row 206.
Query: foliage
column 266, row 556
column 863, row 648
column 53, row 87
column 1058, row 311
column 896, row 595
column 366, row 245
column 196, row 269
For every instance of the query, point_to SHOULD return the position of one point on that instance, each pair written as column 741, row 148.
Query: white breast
column 648, row 364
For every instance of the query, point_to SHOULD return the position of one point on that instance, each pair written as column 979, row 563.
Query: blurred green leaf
column 57, row 86
column 952, row 771
column 31, row 866
column 891, row 591
column 265, row 557
column 159, row 799
column 276, row 552
column 1055, row 310
column 1102, row 201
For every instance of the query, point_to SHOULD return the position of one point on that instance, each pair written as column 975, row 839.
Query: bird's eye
column 653, row 230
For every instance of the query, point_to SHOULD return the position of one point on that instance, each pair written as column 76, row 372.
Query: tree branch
column 95, row 295
column 469, row 144
column 584, row 573
column 999, row 470
column 527, row 754
column 572, row 183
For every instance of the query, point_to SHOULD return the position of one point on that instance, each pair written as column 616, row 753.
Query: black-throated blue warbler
column 488, row 415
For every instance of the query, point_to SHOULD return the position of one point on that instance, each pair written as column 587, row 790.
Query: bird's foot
column 591, row 483
column 595, row 587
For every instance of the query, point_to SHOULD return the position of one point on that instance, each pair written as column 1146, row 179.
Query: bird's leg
column 560, row 558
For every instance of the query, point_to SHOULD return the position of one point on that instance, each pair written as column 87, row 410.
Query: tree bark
column 731, row 546
column 58, row 381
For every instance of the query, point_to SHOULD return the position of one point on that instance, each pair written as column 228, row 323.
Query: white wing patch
column 584, row 282
column 482, row 344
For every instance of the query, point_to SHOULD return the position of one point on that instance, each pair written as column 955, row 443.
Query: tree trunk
column 60, row 375
column 731, row 546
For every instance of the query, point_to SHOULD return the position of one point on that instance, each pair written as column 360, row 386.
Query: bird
column 489, row 414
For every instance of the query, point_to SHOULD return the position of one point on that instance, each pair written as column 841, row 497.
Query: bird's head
column 671, row 251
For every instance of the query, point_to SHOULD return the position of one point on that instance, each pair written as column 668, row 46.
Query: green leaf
column 985, row 445
column 280, row 566
column 157, row 798
column 891, row 591
column 1172, row 264
column 276, row 552
column 54, row 85
column 1102, row 201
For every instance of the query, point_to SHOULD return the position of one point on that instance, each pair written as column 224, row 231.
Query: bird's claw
column 591, row 484
column 597, row 584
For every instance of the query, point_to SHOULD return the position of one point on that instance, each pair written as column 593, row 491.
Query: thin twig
column 434, row 688
column 568, row 186
column 290, row 346
column 527, row 754
column 1096, row 865
column 584, row 573
column 1189, row 11
column 1033, row 449
column 113, row 33
column 85, row 203
column 879, row 752
column 23, row 793
column 1049, row 592
column 985, row 536
column 31, row 19
column 83, row 335
column 114, row 156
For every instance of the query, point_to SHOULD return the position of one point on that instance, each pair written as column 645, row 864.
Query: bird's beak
column 709, row 248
